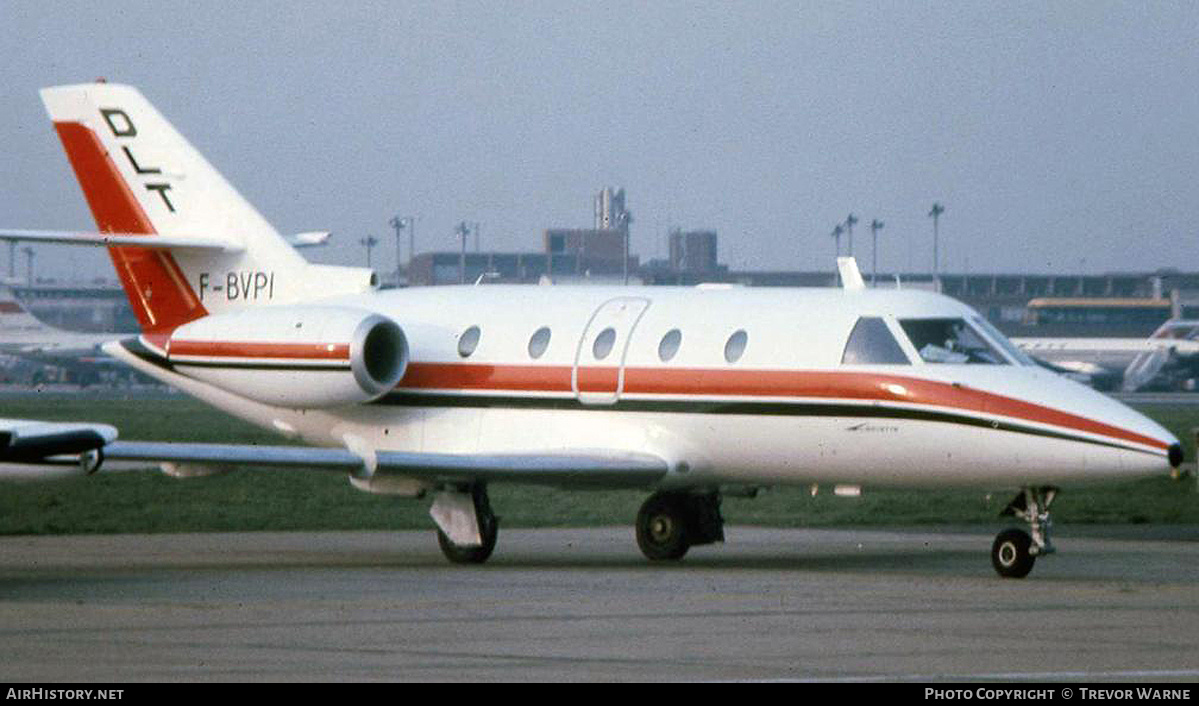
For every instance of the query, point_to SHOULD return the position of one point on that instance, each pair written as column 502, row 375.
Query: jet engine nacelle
column 293, row 356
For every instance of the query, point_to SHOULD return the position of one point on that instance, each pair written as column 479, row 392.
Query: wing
column 90, row 445
column 31, row 441
column 595, row 468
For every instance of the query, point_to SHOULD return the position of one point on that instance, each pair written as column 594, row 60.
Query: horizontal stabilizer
column 309, row 239
column 122, row 240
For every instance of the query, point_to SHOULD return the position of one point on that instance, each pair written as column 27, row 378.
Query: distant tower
column 609, row 209
column 611, row 214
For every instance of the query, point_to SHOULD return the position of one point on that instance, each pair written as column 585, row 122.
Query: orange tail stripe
column 153, row 290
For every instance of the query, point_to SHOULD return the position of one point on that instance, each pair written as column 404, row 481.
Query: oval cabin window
column 669, row 345
column 468, row 341
column 539, row 342
column 603, row 343
column 735, row 347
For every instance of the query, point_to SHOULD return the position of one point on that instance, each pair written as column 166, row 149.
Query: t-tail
column 16, row 323
column 184, row 242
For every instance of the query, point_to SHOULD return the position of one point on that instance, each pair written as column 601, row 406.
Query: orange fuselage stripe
column 696, row 382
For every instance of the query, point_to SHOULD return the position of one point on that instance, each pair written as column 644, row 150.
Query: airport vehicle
column 1165, row 360
column 1125, row 314
column 440, row 391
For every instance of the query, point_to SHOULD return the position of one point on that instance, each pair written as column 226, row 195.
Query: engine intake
column 310, row 356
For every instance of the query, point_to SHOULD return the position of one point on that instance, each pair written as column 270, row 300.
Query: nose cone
column 1124, row 424
column 1176, row 455
column 1140, row 445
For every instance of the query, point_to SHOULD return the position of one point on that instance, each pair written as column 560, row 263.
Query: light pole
column 462, row 230
column 399, row 224
column 411, row 240
column 849, row 223
column 368, row 242
column 935, row 214
column 875, row 226
column 837, row 236
column 624, row 219
column 29, row 253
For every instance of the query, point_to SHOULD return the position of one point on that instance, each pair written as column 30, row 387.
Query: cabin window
column 669, row 345
column 734, row 348
column 871, row 343
column 603, row 343
column 468, row 341
column 539, row 342
column 950, row 341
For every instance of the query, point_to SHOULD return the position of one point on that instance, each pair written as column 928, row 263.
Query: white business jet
column 441, row 391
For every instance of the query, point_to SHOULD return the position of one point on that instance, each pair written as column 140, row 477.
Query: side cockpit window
column 950, row 341
column 871, row 343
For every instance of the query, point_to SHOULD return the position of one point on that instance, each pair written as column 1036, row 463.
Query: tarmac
column 912, row 605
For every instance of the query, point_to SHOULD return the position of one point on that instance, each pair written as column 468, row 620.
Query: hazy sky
column 1059, row 136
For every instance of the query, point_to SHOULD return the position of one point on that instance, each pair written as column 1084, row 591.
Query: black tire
column 662, row 528
column 1010, row 554
column 461, row 554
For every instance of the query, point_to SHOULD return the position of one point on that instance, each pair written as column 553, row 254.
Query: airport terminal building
column 1124, row 304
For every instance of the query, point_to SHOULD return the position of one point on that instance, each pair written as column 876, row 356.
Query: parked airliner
column 440, row 391
column 1167, row 359
column 22, row 334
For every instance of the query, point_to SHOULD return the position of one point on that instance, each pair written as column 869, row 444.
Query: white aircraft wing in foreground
column 88, row 446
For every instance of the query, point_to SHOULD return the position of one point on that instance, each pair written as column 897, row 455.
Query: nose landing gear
column 1015, row 551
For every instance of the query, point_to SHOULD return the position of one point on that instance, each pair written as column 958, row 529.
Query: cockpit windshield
column 953, row 341
column 997, row 337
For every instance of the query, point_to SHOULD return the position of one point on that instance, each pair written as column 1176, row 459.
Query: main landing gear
column 668, row 524
column 1015, row 551
column 466, row 526
column 671, row 523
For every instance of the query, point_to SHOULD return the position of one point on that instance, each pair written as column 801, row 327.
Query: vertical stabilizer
column 16, row 323
column 140, row 176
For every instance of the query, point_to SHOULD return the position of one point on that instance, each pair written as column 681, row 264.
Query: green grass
column 300, row 500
